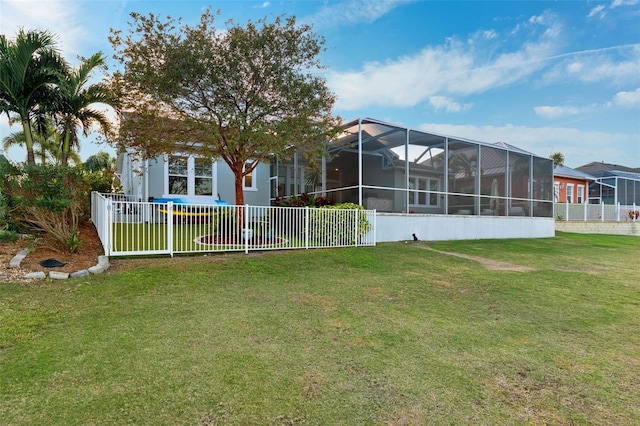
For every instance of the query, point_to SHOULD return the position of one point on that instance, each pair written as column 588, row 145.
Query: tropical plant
column 100, row 169
column 558, row 158
column 244, row 94
column 78, row 101
column 30, row 69
column 100, row 162
column 49, row 199
column 46, row 143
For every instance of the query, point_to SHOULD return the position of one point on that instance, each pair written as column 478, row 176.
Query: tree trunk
column 28, row 141
column 239, row 188
column 65, row 147
column 238, row 183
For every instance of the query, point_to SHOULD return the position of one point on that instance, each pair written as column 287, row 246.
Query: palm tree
column 100, row 162
column 30, row 69
column 47, row 142
column 77, row 111
column 558, row 158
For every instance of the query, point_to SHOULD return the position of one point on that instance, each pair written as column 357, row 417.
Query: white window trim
column 428, row 192
column 556, row 192
column 570, row 195
column 580, row 189
column 191, row 178
column 254, row 181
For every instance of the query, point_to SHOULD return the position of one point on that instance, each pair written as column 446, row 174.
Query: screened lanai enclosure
column 395, row 169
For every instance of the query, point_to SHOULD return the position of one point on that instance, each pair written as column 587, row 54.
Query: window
column 556, row 192
column 187, row 175
column 425, row 191
column 249, row 181
column 570, row 193
column 580, row 194
column 178, row 175
column 203, row 177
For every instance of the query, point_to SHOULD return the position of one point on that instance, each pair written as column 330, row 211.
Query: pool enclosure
column 395, row 169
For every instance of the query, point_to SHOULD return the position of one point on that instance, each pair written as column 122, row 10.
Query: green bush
column 49, row 199
column 327, row 228
column 101, row 182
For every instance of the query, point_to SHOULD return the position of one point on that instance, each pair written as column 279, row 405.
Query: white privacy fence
column 129, row 228
column 596, row 212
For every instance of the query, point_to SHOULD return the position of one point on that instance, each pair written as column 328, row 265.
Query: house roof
column 600, row 169
column 568, row 172
column 379, row 136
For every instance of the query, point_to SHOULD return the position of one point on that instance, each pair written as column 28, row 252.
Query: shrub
column 49, row 199
column 303, row 200
column 336, row 227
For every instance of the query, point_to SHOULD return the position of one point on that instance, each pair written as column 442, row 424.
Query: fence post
column 619, row 207
column 566, row 211
column 306, row 227
column 170, row 227
column 107, row 225
column 357, row 217
column 244, row 233
column 602, row 211
column 585, row 212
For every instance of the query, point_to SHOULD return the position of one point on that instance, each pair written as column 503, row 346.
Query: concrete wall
column 399, row 227
column 613, row 228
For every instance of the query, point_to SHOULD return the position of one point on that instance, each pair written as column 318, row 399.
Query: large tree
column 79, row 99
column 30, row 69
column 243, row 94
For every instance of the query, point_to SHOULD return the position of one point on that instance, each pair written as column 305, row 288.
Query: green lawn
column 393, row 334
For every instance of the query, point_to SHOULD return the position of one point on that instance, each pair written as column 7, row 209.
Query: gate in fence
column 129, row 228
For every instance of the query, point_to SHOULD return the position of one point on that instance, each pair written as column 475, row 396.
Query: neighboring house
column 570, row 186
column 613, row 184
column 188, row 177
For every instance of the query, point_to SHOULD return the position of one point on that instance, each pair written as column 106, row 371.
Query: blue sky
column 544, row 76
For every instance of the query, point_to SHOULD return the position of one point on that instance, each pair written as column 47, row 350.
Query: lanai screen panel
column 542, row 187
column 493, row 178
column 425, row 155
column 463, row 168
column 519, row 179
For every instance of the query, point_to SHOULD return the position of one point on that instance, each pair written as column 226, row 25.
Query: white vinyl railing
column 128, row 228
column 596, row 212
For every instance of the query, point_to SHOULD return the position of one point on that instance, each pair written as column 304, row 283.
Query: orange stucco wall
column 565, row 182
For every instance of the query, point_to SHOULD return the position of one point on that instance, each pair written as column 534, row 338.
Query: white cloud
column 579, row 147
column 597, row 11
column 618, row 3
column 447, row 104
column 353, row 11
column 614, row 65
column 556, row 111
column 59, row 16
column 455, row 68
column 627, row 99
column 263, row 5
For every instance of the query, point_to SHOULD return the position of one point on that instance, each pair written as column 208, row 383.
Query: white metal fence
column 596, row 212
column 129, row 228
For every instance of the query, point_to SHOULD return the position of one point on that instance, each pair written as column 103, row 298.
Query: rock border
column 102, row 265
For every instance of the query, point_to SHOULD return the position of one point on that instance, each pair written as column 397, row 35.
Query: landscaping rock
column 18, row 258
column 36, row 275
column 79, row 274
column 55, row 275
